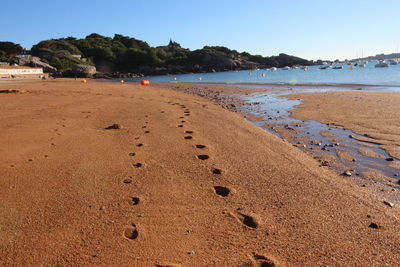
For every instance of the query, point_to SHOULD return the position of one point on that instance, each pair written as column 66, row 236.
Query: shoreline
column 176, row 181
column 336, row 151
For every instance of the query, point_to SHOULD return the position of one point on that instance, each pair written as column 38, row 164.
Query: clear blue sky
column 311, row 29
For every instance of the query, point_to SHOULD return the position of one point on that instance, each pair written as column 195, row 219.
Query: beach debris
column 127, row 181
column 9, row 91
column 191, row 252
column 374, row 225
column 114, row 126
column 347, row 173
column 390, row 204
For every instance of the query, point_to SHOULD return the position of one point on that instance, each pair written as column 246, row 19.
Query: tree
column 10, row 48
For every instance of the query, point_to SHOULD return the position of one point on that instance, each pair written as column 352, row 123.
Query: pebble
column 390, row 204
column 347, row 173
column 325, row 163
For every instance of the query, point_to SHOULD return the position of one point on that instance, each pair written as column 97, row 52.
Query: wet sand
column 178, row 181
column 372, row 114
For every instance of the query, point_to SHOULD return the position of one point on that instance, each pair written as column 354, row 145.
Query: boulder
column 86, row 71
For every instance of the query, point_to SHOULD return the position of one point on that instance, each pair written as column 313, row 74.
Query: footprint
column 263, row 261
column 187, row 112
column 139, row 145
column 180, row 126
column 247, row 220
column 216, row 171
column 131, row 232
column 134, row 201
column 132, row 154
column 182, row 121
column 188, row 137
column 181, row 117
column 127, row 181
column 200, row 146
column 189, row 132
column 146, row 132
column 203, row 157
column 144, row 127
column 222, row 191
column 138, row 165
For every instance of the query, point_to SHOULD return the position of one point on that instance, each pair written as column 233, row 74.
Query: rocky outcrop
column 83, row 70
column 218, row 60
column 36, row 63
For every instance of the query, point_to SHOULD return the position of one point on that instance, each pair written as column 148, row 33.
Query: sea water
column 369, row 75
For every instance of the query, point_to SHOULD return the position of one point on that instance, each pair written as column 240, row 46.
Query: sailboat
column 381, row 64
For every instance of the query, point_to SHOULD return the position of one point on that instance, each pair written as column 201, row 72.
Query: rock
column 83, row 70
column 390, row 204
column 389, row 159
column 347, row 173
column 9, row 91
column 115, row 126
column 325, row 163
column 36, row 63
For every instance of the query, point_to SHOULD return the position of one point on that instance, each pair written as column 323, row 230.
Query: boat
column 305, row 68
column 273, row 69
column 286, row 68
column 324, row 67
column 381, row 64
column 337, row 68
column 393, row 62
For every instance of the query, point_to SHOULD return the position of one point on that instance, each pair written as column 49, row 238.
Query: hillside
column 122, row 55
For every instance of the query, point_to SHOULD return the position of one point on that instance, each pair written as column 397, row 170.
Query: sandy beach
column 109, row 174
column 372, row 114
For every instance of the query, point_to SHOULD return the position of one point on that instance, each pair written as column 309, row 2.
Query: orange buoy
column 84, row 81
column 174, row 78
column 350, row 68
column 200, row 78
column 144, row 82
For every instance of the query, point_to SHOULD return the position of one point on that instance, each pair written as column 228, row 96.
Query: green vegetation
column 128, row 55
column 8, row 51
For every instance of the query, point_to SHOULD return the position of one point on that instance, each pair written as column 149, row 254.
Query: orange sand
column 73, row 193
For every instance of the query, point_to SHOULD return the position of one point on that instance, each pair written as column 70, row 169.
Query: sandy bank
column 372, row 114
column 182, row 182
